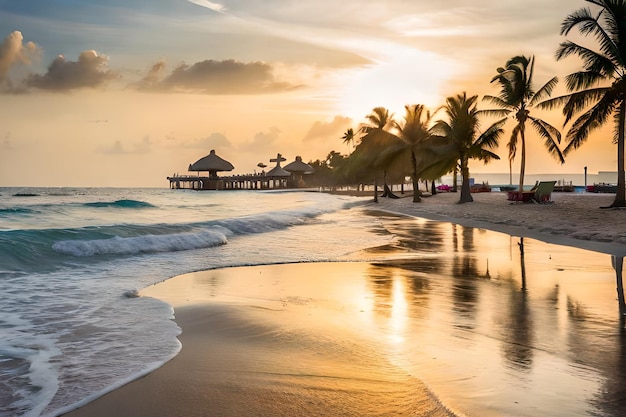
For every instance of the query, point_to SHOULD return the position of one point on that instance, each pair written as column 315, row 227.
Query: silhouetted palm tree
column 517, row 96
column 606, row 66
column 376, row 141
column 348, row 137
column 462, row 130
column 430, row 155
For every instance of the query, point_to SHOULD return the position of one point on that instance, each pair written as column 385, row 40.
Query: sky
column 124, row 93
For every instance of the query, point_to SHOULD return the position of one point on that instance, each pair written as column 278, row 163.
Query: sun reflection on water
column 399, row 309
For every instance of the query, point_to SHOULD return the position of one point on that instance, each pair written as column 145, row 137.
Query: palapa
column 277, row 171
column 299, row 167
column 211, row 163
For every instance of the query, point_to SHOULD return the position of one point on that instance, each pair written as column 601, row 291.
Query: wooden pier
column 234, row 182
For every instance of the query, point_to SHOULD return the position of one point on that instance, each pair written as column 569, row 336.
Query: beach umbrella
column 211, row 163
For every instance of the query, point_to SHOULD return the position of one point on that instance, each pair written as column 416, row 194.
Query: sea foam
column 141, row 244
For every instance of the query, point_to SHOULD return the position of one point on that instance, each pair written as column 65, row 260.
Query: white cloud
column 216, row 7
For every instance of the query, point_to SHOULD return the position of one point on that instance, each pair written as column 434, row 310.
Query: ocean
column 73, row 259
column 488, row 331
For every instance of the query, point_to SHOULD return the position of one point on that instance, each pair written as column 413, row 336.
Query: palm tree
column 462, row 130
column 604, row 66
column 517, row 96
column 376, row 141
column 348, row 137
column 430, row 155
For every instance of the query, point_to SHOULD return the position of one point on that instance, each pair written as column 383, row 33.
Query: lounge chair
column 543, row 191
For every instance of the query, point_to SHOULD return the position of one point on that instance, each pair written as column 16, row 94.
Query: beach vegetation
column 397, row 149
column 376, row 141
column 349, row 137
column 462, row 129
column 598, row 91
column 330, row 171
column 430, row 155
column 516, row 99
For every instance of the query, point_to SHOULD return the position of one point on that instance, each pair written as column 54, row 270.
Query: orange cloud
column 215, row 77
column 89, row 71
column 13, row 51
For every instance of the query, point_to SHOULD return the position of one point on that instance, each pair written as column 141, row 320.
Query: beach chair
column 543, row 191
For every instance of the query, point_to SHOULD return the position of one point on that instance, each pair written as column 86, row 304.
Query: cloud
column 142, row 147
column 214, row 77
column 90, row 71
column 209, row 5
column 151, row 80
column 213, row 141
column 262, row 143
column 13, row 52
column 323, row 130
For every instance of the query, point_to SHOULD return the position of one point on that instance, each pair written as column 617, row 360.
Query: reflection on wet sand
column 549, row 311
column 493, row 325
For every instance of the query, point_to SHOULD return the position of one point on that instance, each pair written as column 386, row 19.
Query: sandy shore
column 182, row 387
column 570, row 219
column 265, row 354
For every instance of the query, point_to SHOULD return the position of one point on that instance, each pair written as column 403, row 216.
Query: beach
column 573, row 219
column 256, row 343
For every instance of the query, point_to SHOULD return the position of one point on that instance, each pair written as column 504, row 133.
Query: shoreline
column 268, row 354
column 571, row 219
column 181, row 386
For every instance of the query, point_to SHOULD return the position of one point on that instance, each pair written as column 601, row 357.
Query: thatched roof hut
column 299, row 167
column 211, row 163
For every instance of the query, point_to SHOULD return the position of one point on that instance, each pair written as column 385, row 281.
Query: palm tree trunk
column 454, row 179
column 416, row 190
column 375, row 189
column 618, row 262
column 385, row 187
column 416, row 183
column 466, row 195
column 523, row 160
column 620, row 195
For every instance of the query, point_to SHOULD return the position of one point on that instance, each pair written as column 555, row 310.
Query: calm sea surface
column 539, row 332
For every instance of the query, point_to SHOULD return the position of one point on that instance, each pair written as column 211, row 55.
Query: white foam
column 18, row 341
column 141, row 244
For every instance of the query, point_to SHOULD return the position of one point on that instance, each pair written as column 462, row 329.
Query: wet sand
column 280, row 354
column 278, row 350
column 570, row 219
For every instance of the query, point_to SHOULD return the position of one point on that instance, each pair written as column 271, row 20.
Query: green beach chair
column 543, row 191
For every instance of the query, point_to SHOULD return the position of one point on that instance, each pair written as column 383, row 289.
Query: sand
column 570, row 219
column 200, row 381
column 265, row 356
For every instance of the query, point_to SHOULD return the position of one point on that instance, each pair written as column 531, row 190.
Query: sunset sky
column 127, row 92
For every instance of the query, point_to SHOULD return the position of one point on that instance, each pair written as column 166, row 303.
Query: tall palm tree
column 517, row 96
column 376, row 140
column 602, row 82
column 430, row 155
column 462, row 129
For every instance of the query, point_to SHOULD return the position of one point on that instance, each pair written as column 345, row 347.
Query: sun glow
column 412, row 77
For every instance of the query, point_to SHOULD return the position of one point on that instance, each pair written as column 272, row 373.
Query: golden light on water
column 399, row 309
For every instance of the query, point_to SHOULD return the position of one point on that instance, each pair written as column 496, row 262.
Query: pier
column 277, row 177
column 234, row 182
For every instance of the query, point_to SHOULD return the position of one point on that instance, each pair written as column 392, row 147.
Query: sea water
column 491, row 329
column 73, row 259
